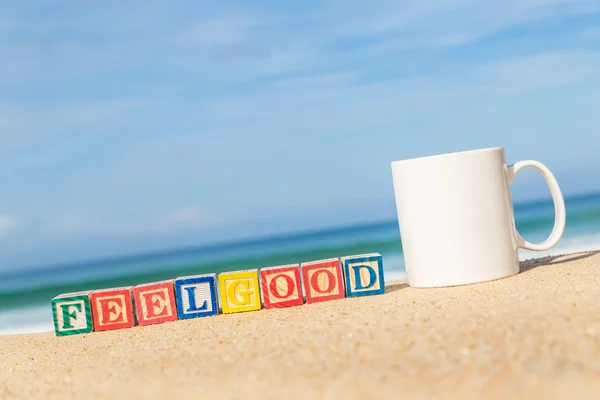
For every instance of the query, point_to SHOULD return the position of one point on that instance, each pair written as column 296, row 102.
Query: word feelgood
column 205, row 295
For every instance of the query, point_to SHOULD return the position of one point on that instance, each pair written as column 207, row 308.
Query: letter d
column 357, row 276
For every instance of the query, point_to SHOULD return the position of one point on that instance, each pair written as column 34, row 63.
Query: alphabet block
column 155, row 302
column 363, row 274
column 72, row 313
column 239, row 291
column 323, row 280
column 196, row 296
column 281, row 286
column 112, row 308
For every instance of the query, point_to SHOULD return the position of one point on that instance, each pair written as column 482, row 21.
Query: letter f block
column 112, row 308
column 363, row 274
column 72, row 313
column 323, row 280
column 155, row 302
column 239, row 291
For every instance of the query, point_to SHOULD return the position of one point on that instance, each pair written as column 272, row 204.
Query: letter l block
column 196, row 296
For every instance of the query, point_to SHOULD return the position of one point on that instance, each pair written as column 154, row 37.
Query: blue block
column 196, row 296
column 363, row 274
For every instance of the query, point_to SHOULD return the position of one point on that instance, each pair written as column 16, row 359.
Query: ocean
column 25, row 294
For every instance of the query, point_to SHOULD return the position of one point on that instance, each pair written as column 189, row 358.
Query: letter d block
column 155, row 302
column 363, row 274
column 239, row 291
column 281, row 286
column 323, row 280
column 112, row 308
column 196, row 296
column 72, row 313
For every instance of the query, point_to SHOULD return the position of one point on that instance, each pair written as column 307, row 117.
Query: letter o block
column 363, row 274
column 112, row 308
column 155, row 302
column 323, row 280
column 239, row 291
column 72, row 313
column 281, row 286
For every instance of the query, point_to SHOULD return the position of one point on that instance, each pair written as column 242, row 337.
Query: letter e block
column 239, row 291
column 323, row 280
column 363, row 274
column 112, row 308
column 281, row 286
column 72, row 313
column 196, row 296
column 155, row 302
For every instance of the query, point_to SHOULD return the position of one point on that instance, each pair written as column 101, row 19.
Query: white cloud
column 26, row 126
column 543, row 70
column 8, row 224
column 80, row 223
column 223, row 29
column 456, row 39
column 343, row 102
column 417, row 25
column 185, row 219
column 70, row 223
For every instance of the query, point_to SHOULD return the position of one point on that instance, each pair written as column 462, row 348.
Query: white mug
column 456, row 217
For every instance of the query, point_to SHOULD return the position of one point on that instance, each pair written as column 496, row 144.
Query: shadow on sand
column 395, row 287
column 529, row 265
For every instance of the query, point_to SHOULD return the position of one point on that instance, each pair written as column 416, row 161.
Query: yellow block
column 239, row 291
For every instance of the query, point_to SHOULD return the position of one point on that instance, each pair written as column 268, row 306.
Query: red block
column 281, row 286
column 155, row 302
column 323, row 280
column 112, row 308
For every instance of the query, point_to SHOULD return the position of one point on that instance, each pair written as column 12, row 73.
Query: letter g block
column 239, row 291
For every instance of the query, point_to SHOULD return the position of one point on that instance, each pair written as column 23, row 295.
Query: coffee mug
column 456, row 217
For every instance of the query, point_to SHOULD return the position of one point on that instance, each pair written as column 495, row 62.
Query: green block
column 72, row 313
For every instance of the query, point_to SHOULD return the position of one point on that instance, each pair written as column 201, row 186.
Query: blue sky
column 142, row 126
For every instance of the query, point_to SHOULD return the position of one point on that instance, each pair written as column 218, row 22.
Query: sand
column 535, row 335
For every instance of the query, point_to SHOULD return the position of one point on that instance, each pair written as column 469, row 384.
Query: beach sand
column 535, row 335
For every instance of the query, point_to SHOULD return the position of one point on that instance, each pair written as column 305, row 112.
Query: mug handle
column 557, row 198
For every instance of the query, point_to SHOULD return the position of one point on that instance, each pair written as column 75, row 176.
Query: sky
column 148, row 125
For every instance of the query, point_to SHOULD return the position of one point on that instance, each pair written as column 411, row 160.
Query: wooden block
column 323, row 280
column 363, row 274
column 155, row 302
column 239, row 291
column 72, row 313
column 196, row 296
column 112, row 308
column 281, row 286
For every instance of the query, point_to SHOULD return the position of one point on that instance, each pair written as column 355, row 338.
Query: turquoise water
column 25, row 294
